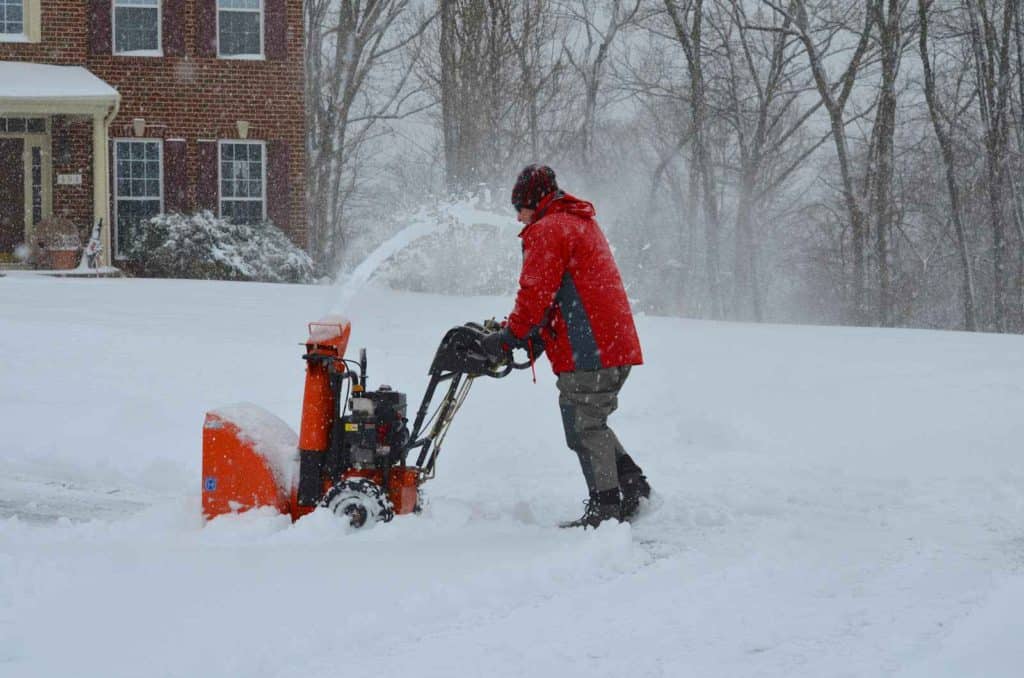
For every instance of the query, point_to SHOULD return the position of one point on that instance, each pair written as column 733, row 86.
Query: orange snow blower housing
column 352, row 451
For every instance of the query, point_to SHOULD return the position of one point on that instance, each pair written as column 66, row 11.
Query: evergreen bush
column 206, row 247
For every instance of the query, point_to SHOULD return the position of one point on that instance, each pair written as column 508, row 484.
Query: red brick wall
column 75, row 135
column 64, row 36
column 190, row 97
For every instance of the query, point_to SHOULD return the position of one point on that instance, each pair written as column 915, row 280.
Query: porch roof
column 43, row 88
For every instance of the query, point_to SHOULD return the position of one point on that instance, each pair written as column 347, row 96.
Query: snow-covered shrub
column 207, row 247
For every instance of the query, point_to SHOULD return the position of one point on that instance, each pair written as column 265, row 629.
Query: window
column 37, row 185
column 137, row 27
column 240, row 28
column 242, row 184
column 19, row 125
column 19, row 20
column 12, row 17
column 138, row 187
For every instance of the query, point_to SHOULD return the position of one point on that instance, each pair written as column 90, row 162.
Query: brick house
column 116, row 110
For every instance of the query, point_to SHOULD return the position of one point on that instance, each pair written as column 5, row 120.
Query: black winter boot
column 634, row 488
column 600, row 507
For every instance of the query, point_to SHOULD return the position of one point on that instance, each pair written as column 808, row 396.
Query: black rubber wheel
column 360, row 502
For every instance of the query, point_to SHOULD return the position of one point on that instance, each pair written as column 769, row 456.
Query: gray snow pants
column 587, row 398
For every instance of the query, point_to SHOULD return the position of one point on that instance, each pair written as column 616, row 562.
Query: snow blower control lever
column 354, row 444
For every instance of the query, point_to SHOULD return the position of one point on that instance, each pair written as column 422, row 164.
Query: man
column 571, row 296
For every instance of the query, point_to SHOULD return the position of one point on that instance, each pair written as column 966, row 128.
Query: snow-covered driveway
column 831, row 502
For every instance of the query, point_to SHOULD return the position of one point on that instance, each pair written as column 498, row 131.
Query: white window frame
column 263, row 34
column 30, row 20
column 117, row 198
column 158, row 52
column 220, row 179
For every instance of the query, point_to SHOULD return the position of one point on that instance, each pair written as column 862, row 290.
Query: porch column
column 101, row 182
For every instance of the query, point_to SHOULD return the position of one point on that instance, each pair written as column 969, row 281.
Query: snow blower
column 353, row 454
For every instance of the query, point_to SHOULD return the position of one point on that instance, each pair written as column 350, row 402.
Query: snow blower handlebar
column 459, row 360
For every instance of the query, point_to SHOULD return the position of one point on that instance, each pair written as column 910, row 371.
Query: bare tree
column 475, row 74
column 990, row 43
column 600, row 21
column 942, row 133
column 763, row 102
column 688, row 21
column 533, row 28
column 834, row 96
column 358, row 69
column 704, row 119
column 888, row 16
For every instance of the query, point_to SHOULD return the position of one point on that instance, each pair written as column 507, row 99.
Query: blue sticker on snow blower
column 210, row 484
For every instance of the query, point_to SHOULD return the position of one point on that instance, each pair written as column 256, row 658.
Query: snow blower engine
column 354, row 451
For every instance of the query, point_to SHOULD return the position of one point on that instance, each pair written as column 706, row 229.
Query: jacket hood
column 561, row 202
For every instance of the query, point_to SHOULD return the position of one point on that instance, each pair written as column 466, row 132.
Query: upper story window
column 12, row 17
column 240, row 28
column 19, row 20
column 137, row 27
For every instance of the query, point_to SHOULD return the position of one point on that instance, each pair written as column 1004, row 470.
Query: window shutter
column 111, row 178
column 207, row 186
column 279, row 192
column 100, row 26
column 174, row 27
column 206, row 28
column 275, row 21
column 175, row 176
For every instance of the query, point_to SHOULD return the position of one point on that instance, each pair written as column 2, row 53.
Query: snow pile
column 19, row 80
column 329, row 327
column 205, row 247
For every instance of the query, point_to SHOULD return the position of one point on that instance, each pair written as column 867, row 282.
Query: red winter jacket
column 571, row 289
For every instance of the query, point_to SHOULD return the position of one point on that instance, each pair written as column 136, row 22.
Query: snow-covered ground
column 830, row 502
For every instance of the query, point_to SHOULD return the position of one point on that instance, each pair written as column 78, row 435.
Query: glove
column 536, row 345
column 497, row 345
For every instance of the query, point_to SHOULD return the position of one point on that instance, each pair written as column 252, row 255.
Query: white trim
column 113, row 189
column 263, row 177
column 102, row 190
column 158, row 52
column 34, row 20
column 263, row 33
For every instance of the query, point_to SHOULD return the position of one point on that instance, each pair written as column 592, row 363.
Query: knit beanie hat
column 532, row 185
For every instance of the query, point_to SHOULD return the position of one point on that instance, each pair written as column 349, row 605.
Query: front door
column 12, row 194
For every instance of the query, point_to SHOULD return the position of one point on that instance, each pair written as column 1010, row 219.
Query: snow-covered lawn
column 830, row 502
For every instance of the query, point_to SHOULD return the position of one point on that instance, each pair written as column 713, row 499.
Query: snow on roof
column 22, row 80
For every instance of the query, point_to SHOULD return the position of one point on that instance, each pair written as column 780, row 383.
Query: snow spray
column 343, row 292
column 425, row 223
